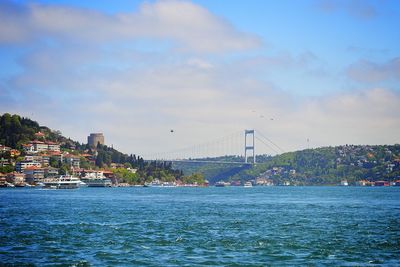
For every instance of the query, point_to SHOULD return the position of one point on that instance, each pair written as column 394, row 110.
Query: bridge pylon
column 249, row 147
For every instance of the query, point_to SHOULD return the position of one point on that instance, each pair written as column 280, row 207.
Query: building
column 22, row 165
column 382, row 183
column 34, row 175
column 72, row 160
column 4, row 148
column 39, row 146
column 95, row 138
column 39, row 135
column 50, row 172
column 16, row 178
column 51, row 146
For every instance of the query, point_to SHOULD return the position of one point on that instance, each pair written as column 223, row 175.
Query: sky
column 303, row 73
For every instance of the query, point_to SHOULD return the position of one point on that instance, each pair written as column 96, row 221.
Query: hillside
column 18, row 133
column 320, row 166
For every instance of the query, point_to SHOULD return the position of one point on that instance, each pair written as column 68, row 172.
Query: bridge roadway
column 202, row 161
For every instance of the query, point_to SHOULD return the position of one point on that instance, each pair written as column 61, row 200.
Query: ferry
column 96, row 179
column 97, row 182
column 63, row 182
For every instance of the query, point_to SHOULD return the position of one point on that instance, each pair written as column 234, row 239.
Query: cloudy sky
column 323, row 71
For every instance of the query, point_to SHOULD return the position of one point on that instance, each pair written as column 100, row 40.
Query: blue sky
column 327, row 71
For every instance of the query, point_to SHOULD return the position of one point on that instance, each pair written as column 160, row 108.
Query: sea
column 215, row 226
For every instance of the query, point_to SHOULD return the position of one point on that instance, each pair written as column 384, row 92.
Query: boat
column 62, row 182
column 222, row 184
column 157, row 183
column 96, row 179
column 248, row 184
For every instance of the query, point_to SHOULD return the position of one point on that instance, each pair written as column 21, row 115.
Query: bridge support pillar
column 249, row 147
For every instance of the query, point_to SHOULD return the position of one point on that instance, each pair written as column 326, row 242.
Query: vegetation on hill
column 326, row 165
column 16, row 131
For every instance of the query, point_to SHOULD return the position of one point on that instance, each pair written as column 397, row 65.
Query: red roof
column 32, row 168
column 37, row 142
column 39, row 134
column 71, row 156
column 51, row 143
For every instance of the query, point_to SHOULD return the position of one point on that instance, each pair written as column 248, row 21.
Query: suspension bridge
column 236, row 148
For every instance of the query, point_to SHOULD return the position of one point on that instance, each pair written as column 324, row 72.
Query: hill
column 17, row 133
column 319, row 166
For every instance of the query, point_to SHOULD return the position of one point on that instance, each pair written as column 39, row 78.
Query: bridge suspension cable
column 232, row 145
column 270, row 141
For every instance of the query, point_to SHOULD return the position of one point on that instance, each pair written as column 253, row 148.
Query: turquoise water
column 234, row 226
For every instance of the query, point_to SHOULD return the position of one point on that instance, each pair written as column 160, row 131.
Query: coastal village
column 33, row 155
column 37, row 164
column 39, row 160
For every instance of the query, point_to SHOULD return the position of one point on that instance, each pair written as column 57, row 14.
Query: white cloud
column 87, row 75
column 368, row 71
column 191, row 26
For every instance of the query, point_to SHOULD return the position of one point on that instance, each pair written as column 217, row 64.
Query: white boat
column 157, row 183
column 62, row 182
column 222, row 184
column 97, row 182
column 248, row 184
column 96, row 179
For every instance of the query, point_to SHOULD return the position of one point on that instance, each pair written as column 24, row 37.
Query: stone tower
column 95, row 138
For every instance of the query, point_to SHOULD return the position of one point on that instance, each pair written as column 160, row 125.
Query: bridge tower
column 251, row 146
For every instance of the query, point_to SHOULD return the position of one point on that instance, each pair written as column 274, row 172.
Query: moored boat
column 248, row 184
column 222, row 184
column 157, row 183
column 62, row 182
column 96, row 179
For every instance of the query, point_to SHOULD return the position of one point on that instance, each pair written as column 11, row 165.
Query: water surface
column 233, row 226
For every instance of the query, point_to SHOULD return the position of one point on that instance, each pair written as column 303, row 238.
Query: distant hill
column 319, row 166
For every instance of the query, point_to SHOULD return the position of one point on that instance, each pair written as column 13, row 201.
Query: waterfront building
column 95, row 138
column 381, row 183
column 33, row 174
column 262, row 181
column 16, row 178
